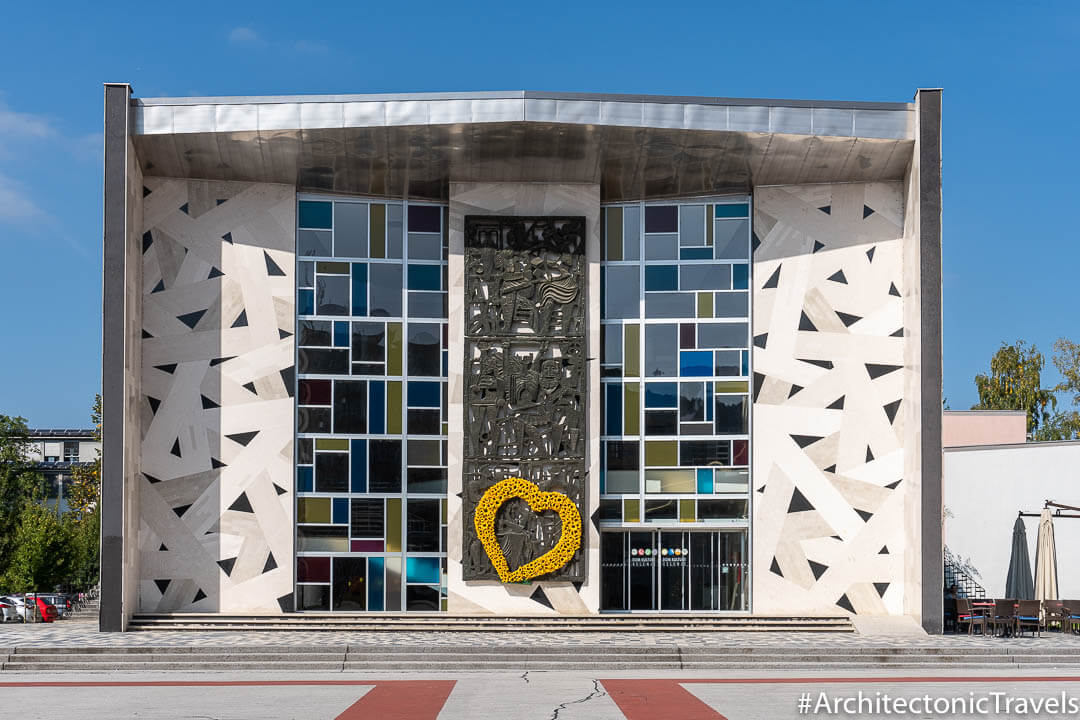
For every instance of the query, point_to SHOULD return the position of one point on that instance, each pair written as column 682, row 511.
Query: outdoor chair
column 1003, row 615
column 1070, row 615
column 966, row 615
column 1029, row 615
column 1055, row 614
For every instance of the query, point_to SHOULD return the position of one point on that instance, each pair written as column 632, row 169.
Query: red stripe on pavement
column 657, row 700
column 401, row 700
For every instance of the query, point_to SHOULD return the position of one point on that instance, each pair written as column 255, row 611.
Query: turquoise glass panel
column 614, row 408
column 695, row 363
column 424, row 394
column 661, row 277
column 704, row 480
column 341, row 334
column 341, row 511
column 696, row 253
column 359, row 289
column 422, row 570
column 733, row 210
column 740, row 276
column 305, row 479
column 425, row 277
column 745, row 362
column 305, row 302
column 376, row 575
column 661, row 395
column 376, row 407
column 318, row 215
column 358, row 481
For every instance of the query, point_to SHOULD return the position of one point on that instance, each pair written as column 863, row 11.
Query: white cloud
column 24, row 125
column 16, row 205
column 244, row 36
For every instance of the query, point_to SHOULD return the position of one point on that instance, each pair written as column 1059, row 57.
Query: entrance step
column 343, row 622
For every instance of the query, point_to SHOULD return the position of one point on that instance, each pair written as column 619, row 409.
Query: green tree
column 1065, row 424
column 20, row 485
column 1015, row 383
column 84, row 536
column 83, row 487
column 41, row 552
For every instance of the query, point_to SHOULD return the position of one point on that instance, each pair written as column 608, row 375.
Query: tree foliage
column 41, row 552
column 83, row 486
column 20, row 485
column 1015, row 383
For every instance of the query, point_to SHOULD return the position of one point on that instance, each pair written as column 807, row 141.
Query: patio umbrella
column 1046, row 585
column 1018, row 582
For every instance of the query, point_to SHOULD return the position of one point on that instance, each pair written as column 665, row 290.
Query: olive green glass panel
column 631, row 403
column 393, row 407
column 333, row 268
column 313, row 510
column 687, row 511
column 631, row 350
column 660, row 453
column 331, row 443
column 614, row 233
column 631, row 511
column 393, row 348
column 709, row 225
column 732, row 386
column 393, row 525
column 704, row 304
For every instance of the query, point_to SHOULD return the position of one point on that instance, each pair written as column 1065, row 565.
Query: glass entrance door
column 673, row 570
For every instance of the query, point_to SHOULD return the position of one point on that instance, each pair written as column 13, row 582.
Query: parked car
column 20, row 606
column 62, row 605
column 46, row 611
column 12, row 610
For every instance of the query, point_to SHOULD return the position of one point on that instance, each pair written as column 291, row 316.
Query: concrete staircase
column 997, row 657
column 342, row 622
column 87, row 613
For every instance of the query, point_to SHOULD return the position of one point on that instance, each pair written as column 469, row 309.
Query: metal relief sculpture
column 525, row 380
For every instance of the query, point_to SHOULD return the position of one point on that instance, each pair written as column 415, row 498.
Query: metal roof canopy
column 414, row 145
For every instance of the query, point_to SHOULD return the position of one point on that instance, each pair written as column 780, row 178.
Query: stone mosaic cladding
column 525, row 379
column 829, row 525
column 216, row 502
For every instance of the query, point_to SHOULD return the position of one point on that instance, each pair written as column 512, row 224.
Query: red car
column 46, row 611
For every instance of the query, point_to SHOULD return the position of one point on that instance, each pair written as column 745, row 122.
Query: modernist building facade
column 521, row 353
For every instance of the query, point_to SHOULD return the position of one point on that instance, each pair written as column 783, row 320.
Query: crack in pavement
column 597, row 692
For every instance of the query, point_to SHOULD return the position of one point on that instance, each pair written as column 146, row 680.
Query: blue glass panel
column 662, row 395
column 305, row 302
column 341, row 334
column 376, row 575
column 359, row 289
column 695, row 363
column 359, row 466
column 740, row 276
column 341, row 511
column 704, row 480
column 745, row 362
column 603, row 481
column 425, row 277
column 305, row 479
column 376, row 407
column 614, row 408
column 661, row 277
column 424, row 394
column 315, row 215
column 696, row 253
column 734, row 210
column 422, row 570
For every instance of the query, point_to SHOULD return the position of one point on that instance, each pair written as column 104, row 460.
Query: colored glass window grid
column 371, row 398
column 676, row 315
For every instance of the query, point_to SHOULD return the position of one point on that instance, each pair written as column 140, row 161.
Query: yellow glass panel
column 687, row 511
column 393, row 525
column 331, row 443
column 704, row 304
column 631, row 511
column 393, row 407
column 322, row 544
column 313, row 510
column 334, row 268
column 732, row 386
column 659, row 453
column 445, row 429
column 670, row 481
column 443, row 504
column 614, row 233
column 631, row 350
column 378, row 230
column 631, row 403
column 393, row 348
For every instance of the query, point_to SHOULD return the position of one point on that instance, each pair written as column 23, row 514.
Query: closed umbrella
column 1018, row 582
column 1046, row 585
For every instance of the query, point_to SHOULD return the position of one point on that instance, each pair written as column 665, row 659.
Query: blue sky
column 1009, row 71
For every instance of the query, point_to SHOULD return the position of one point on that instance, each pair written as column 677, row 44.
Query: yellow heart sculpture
column 562, row 553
